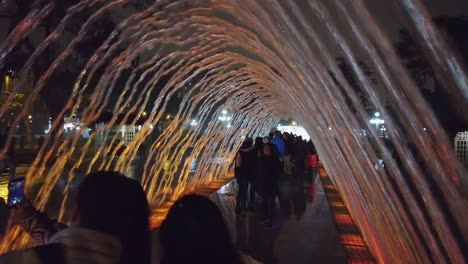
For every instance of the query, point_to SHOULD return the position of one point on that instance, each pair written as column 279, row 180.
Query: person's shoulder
column 248, row 259
column 28, row 256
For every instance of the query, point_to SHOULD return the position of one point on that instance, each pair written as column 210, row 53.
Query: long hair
column 111, row 203
column 258, row 143
column 194, row 232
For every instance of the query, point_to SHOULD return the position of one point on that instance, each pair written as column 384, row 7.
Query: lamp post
column 225, row 118
column 376, row 120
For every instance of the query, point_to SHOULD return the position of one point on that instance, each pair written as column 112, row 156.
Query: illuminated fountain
column 260, row 61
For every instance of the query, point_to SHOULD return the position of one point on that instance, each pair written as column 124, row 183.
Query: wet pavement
column 303, row 230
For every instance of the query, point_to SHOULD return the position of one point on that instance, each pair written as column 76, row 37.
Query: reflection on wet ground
column 302, row 232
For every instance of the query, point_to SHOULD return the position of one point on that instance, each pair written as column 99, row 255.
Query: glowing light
column 68, row 126
column 377, row 121
column 377, row 114
column 296, row 130
column 224, row 112
column 228, row 125
column 294, row 123
column 194, row 123
column 144, row 113
column 424, row 129
column 30, row 117
column 168, row 117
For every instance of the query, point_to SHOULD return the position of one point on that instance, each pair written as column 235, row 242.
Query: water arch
column 188, row 80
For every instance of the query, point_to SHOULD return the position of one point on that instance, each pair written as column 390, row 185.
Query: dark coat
column 269, row 170
column 246, row 163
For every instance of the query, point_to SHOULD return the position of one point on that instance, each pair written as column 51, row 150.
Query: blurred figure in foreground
column 109, row 229
column 194, row 232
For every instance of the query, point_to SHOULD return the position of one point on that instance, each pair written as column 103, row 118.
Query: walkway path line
column 351, row 237
column 159, row 214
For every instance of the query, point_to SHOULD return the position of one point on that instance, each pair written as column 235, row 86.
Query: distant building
column 125, row 133
column 122, row 130
column 461, row 146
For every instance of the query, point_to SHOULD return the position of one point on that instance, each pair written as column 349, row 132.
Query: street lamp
column 376, row 120
column 224, row 116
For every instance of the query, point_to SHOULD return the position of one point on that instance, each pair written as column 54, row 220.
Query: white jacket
column 81, row 246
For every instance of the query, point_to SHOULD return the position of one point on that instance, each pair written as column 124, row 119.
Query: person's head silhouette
column 111, row 203
column 194, row 232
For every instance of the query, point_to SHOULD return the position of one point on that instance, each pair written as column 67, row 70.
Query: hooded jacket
column 245, row 162
column 79, row 245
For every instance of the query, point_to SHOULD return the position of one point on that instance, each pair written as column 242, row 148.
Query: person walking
column 300, row 155
column 243, row 172
column 278, row 141
column 269, row 170
column 258, row 147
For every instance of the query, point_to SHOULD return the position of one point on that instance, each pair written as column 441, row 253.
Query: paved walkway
column 303, row 230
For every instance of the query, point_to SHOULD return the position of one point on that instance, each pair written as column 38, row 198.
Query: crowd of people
column 260, row 164
column 109, row 227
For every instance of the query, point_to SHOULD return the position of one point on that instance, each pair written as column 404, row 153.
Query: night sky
column 378, row 7
column 435, row 7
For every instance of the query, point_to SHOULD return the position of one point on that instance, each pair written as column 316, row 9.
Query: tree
column 355, row 84
column 58, row 88
column 424, row 76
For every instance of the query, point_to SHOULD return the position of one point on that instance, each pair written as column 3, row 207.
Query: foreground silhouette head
column 194, row 232
column 111, row 203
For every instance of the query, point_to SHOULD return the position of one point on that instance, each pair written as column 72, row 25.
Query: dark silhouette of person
column 258, row 148
column 269, row 170
column 280, row 144
column 194, row 232
column 300, row 155
column 244, row 171
column 112, row 226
